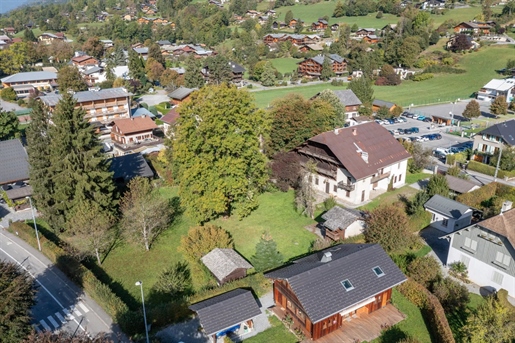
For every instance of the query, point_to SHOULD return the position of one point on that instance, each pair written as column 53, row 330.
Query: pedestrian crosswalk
column 60, row 318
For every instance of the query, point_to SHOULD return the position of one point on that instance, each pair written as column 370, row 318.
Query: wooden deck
column 365, row 327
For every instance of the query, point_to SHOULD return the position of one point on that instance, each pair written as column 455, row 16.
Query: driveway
column 9, row 106
column 7, row 214
column 155, row 98
column 440, row 246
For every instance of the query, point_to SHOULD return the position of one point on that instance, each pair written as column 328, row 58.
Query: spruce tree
column 38, row 150
column 267, row 256
column 193, row 78
column 327, row 70
column 80, row 170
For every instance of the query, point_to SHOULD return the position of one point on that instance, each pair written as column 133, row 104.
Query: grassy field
column 285, row 65
column 277, row 333
column 127, row 263
column 480, row 67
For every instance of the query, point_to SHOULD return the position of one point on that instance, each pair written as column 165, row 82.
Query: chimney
column 354, row 131
column 506, row 206
column 326, row 257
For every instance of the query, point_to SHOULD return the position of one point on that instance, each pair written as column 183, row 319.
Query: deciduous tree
column 18, row 294
column 93, row 47
column 472, row 110
column 339, row 10
column 70, row 79
column 8, row 94
column 437, row 184
column 388, row 225
column 499, row 106
column 66, row 337
column 328, row 96
column 305, row 193
column 8, row 125
column 174, row 282
column 202, row 239
column 288, row 17
column 146, row 214
column 286, row 170
column 267, row 256
column 461, row 42
column 362, row 87
column 268, row 76
column 217, row 152
column 154, row 69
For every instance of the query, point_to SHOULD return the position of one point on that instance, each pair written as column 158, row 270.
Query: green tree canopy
column 472, row 110
column 362, row 87
column 217, row 152
column 388, row 225
column 69, row 79
column 219, row 69
column 267, row 77
column 8, row 125
column 192, row 77
column 499, row 106
column 327, row 70
column 267, row 256
column 437, row 184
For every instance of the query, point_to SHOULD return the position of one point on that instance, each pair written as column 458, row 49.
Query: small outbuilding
column 226, row 265
column 448, row 215
column 341, row 223
column 127, row 167
column 229, row 313
column 460, row 186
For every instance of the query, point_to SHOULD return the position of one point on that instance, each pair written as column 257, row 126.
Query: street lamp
column 140, row 284
column 34, row 220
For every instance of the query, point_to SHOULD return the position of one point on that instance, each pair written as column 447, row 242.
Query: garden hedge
column 489, row 170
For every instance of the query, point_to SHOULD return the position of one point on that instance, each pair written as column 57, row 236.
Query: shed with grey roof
column 231, row 312
column 226, row 265
column 181, row 93
column 341, row 223
column 460, row 186
column 448, row 215
column 127, row 167
column 14, row 165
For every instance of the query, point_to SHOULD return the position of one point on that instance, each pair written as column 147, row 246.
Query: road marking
column 68, row 314
column 75, row 311
column 53, row 322
column 58, row 315
column 83, row 307
column 45, row 325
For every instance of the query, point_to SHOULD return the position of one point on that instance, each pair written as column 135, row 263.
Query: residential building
column 94, row 75
column 487, row 249
column 133, row 130
column 498, row 87
column 101, row 107
column 14, row 165
column 127, row 167
column 107, row 43
column 371, row 39
column 362, row 33
column 169, row 120
column 84, row 60
column 48, row 38
column 349, row 100
column 232, row 313
column 448, row 215
column 473, row 27
column 460, row 186
column 312, row 67
column 181, row 95
column 226, row 265
column 341, row 223
column 323, row 290
column 237, row 72
column 355, row 164
column 488, row 141
column 142, row 111
column 320, row 25
column 24, row 83
column 295, row 39
column 377, row 104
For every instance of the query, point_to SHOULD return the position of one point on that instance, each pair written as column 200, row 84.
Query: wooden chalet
column 312, row 67
column 473, row 27
column 84, row 60
column 180, row 95
column 133, row 130
column 335, row 27
column 371, row 39
column 294, row 22
column 323, row 290
column 273, row 38
column 361, row 33
column 377, row 104
column 320, row 25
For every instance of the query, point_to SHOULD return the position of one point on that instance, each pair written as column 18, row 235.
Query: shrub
column 329, row 203
column 435, row 69
column 489, row 170
column 438, row 324
column 422, row 77
column 414, row 292
column 458, row 269
column 452, row 295
column 424, row 270
column 403, row 260
column 8, row 94
column 388, row 225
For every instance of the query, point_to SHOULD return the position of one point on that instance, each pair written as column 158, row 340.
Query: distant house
column 352, row 162
column 107, row 43
column 142, row 52
column 320, row 25
column 349, row 100
column 24, row 83
column 498, row 87
column 471, row 42
column 94, row 75
column 448, row 215
column 9, row 31
column 488, row 141
column 294, row 22
column 341, row 223
column 48, row 38
column 169, row 120
column 460, row 186
column 232, row 312
column 84, row 60
column 335, row 27
column 377, row 104
column 312, row 67
column 127, row 167
column 14, row 165
column 226, row 265
column 487, row 249
column 323, row 290
column 237, row 72
column 132, row 130
column 142, row 111
column 371, row 39
column 362, row 33
column 180, row 95
column 473, row 27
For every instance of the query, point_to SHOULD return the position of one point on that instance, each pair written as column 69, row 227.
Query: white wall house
column 487, row 249
column 354, row 161
column 497, row 87
column 448, row 215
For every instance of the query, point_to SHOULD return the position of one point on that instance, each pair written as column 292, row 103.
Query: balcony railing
column 380, row 177
column 349, row 187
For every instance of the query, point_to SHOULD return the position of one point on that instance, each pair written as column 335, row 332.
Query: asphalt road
column 61, row 305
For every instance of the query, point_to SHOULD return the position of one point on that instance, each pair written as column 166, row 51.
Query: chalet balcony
column 380, row 177
column 349, row 187
column 141, row 145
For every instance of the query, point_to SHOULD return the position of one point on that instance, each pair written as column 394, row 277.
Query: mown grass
column 412, row 178
column 390, row 197
column 285, row 65
column 277, row 333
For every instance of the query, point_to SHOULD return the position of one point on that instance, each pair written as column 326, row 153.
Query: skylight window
column 378, row 271
column 347, row 285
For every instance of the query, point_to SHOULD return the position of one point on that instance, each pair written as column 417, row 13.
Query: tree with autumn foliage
column 472, row 110
column 388, row 225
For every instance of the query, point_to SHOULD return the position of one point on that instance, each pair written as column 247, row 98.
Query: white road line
column 45, row 325
column 75, row 311
column 53, row 322
column 68, row 314
column 42, row 286
column 83, row 307
column 61, row 318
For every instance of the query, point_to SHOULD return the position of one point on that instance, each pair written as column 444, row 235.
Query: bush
column 414, row 292
column 489, row 170
column 329, row 203
column 424, row 270
column 443, row 69
column 475, row 198
column 336, row 82
column 459, row 270
column 8, row 94
column 422, row 77
column 452, row 295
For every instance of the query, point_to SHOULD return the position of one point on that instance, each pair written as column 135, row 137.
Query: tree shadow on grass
column 391, row 335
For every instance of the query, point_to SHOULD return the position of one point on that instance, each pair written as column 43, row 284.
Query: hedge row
column 475, row 198
column 489, row 170
column 432, row 310
column 422, row 77
column 79, row 274
column 444, row 69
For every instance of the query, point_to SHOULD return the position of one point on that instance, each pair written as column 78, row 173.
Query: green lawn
column 127, row 263
column 412, row 178
column 277, row 333
column 285, row 65
column 390, row 197
column 480, row 67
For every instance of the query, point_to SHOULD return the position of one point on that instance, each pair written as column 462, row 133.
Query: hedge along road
column 61, row 305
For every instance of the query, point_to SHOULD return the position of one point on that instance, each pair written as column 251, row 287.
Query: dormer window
column 378, row 271
column 347, row 285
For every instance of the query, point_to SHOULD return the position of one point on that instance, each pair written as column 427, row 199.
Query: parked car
column 415, row 116
column 421, row 117
column 396, row 132
column 391, row 132
column 401, row 119
column 415, row 130
column 438, row 136
column 443, row 151
column 391, row 121
column 408, row 114
column 428, row 120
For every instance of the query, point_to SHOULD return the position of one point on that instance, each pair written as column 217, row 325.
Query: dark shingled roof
column 181, row 93
column 130, row 166
column 382, row 148
column 14, row 165
column 506, row 130
column 340, row 218
column 347, row 97
column 446, row 206
column 226, row 310
column 503, row 224
column 459, row 185
column 318, row 287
